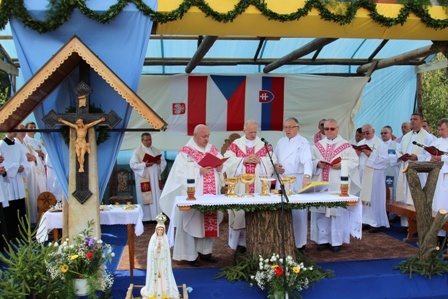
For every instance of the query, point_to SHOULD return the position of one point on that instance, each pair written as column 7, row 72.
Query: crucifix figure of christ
column 82, row 147
column 81, row 122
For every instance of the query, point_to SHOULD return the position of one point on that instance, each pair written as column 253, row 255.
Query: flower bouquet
column 82, row 258
column 271, row 275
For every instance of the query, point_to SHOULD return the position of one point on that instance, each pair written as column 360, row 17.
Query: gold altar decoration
column 231, row 182
column 247, row 179
column 265, row 185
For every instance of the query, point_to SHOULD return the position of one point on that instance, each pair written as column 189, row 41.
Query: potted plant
column 80, row 263
column 282, row 278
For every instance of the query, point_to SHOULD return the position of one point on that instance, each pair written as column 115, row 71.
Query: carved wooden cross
column 81, row 121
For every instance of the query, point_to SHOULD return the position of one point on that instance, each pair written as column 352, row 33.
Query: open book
column 405, row 157
column 315, row 187
column 361, row 147
column 211, row 161
column 434, row 151
column 332, row 163
column 148, row 158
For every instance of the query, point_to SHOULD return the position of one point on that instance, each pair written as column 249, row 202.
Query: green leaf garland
column 60, row 12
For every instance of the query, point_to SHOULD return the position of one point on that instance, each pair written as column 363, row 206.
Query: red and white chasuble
column 211, row 229
column 329, row 154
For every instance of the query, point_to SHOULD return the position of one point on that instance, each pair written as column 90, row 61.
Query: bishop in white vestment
column 195, row 232
column 247, row 154
column 331, row 227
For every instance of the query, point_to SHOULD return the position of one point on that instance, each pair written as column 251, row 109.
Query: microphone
column 418, row 144
column 265, row 141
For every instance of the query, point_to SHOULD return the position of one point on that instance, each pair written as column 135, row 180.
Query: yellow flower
column 296, row 270
column 165, row 296
column 152, row 297
column 64, row 268
column 74, row 257
column 274, row 266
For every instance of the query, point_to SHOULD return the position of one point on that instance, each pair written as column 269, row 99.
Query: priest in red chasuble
column 247, row 154
column 195, row 232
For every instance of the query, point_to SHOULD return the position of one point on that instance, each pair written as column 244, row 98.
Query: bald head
column 201, row 134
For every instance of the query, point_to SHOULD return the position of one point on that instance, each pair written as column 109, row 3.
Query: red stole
column 209, row 187
column 250, row 167
column 329, row 154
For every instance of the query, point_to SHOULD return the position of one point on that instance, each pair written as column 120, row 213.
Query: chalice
column 291, row 181
column 247, row 179
column 285, row 181
column 231, row 182
column 265, row 185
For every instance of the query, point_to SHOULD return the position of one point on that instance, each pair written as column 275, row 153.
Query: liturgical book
column 332, row 163
column 148, row 158
column 211, row 161
column 361, row 147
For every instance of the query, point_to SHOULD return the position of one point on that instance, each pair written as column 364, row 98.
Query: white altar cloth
column 115, row 215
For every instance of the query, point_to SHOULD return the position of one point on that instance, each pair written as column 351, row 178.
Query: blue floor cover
column 373, row 279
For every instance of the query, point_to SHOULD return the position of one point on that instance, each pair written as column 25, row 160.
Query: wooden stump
column 264, row 233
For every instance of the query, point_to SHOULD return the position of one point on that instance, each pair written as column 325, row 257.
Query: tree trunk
column 264, row 233
column 427, row 228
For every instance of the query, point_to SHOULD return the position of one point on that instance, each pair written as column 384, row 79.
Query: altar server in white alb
column 147, row 176
column 331, row 227
column 37, row 178
column 440, row 199
column 293, row 154
column 247, row 154
column 3, row 201
column 16, row 167
column 415, row 153
column 373, row 162
column 195, row 232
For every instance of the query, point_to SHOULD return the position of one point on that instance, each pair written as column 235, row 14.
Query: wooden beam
column 203, row 48
column 414, row 54
column 250, row 61
column 432, row 66
column 378, row 49
column 9, row 68
column 306, row 49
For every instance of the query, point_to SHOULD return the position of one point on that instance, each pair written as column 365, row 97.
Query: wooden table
column 114, row 215
column 220, row 202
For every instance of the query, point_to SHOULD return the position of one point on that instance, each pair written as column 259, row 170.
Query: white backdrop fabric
column 309, row 98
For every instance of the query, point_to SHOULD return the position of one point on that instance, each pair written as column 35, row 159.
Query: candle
column 344, row 168
column 190, row 174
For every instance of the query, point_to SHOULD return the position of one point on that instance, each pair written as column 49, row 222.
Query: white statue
column 160, row 281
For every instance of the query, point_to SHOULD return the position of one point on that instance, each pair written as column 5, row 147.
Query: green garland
column 267, row 207
column 60, row 12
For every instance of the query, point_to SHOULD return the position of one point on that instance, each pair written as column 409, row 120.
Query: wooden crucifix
column 81, row 122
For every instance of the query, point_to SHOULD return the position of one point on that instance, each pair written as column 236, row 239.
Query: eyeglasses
column 365, row 133
column 289, row 128
column 329, row 129
column 384, row 133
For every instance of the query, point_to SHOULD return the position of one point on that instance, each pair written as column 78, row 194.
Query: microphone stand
column 284, row 198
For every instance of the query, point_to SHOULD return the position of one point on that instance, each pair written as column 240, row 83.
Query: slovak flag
column 224, row 103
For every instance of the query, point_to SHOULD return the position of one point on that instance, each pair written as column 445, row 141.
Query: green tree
column 435, row 94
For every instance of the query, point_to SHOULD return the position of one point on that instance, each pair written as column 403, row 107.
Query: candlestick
column 344, row 168
column 344, row 186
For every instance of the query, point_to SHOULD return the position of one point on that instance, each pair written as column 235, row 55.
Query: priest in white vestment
column 16, row 167
column 37, row 177
column 415, row 153
column 147, row 174
column 293, row 154
column 247, row 154
column 372, row 170
column 393, row 167
column 440, row 199
column 195, row 232
column 3, row 202
column 331, row 227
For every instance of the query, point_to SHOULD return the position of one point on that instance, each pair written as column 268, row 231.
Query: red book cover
column 433, row 151
column 332, row 163
column 148, row 158
column 211, row 161
column 361, row 147
column 405, row 157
